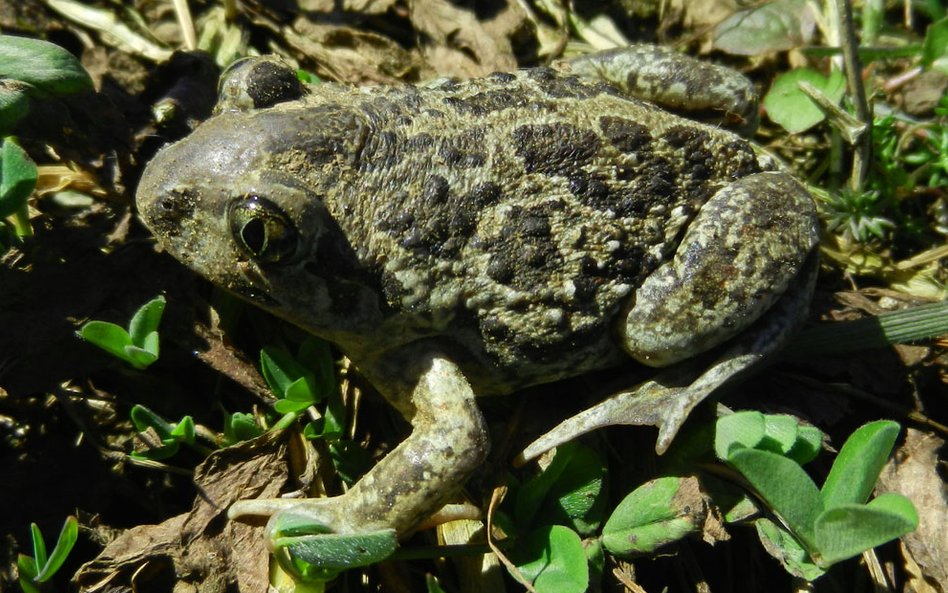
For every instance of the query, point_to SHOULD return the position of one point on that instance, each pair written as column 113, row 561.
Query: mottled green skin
column 520, row 228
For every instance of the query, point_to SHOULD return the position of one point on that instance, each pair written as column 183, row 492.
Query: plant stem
column 862, row 152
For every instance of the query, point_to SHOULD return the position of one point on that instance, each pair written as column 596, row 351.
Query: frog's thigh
column 736, row 259
column 675, row 81
column 448, row 441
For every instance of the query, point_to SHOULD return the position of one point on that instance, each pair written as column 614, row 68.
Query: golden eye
column 262, row 230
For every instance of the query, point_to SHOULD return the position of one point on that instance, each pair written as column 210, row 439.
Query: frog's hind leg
column 666, row 400
column 741, row 253
column 679, row 83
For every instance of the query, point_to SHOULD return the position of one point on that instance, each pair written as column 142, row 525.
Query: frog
column 459, row 239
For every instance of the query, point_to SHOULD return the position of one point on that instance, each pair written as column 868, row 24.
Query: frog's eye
column 262, row 230
column 256, row 83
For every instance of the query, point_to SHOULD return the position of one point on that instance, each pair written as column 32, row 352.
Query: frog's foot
column 448, row 441
column 666, row 400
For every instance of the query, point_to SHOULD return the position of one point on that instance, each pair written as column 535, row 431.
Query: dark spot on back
column 464, row 149
column 484, row 194
column 435, row 191
column 692, row 144
column 626, row 135
column 555, row 149
column 485, row 102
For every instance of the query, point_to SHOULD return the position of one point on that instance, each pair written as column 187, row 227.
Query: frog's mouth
column 253, row 286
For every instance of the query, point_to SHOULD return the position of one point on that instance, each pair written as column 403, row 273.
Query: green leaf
column 316, row 355
column 17, row 177
column 300, row 390
column 139, row 357
column 107, row 336
column 857, row 467
column 784, row 486
column 770, row 27
column 145, row 322
column 553, row 560
column 14, row 104
column 150, row 344
column 281, row 370
column 183, row 431
column 648, row 518
column 935, row 47
column 780, row 544
column 26, row 572
column 339, row 551
column 306, row 548
column 577, row 499
column 334, row 417
column 791, row 108
column 848, row 530
column 780, row 433
column 531, row 495
column 65, row 542
column 568, row 491
column 143, row 419
column 350, row 460
column 743, row 429
column 39, row 546
column 909, row 325
column 48, row 67
column 808, row 444
column 287, row 406
column 240, row 426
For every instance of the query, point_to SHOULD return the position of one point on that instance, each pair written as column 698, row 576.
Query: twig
column 862, row 152
column 186, row 23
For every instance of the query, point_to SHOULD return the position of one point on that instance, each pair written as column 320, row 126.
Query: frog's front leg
column 449, row 440
column 677, row 82
column 738, row 257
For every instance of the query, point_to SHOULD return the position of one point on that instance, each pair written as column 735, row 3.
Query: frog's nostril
column 165, row 215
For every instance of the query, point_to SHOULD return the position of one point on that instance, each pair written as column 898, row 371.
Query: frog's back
column 514, row 213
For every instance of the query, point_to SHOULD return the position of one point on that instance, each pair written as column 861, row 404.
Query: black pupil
column 254, row 235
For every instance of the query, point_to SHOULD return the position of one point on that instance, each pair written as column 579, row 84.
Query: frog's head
column 240, row 202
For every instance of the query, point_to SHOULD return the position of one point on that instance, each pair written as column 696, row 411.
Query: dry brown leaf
column 353, row 56
column 702, row 16
column 913, row 472
column 201, row 550
column 456, row 42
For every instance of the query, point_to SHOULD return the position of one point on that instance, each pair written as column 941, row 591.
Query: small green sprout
column 239, row 427
column 138, row 346
column 307, row 379
column 39, row 568
column 302, row 381
column 857, row 214
column 172, row 435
